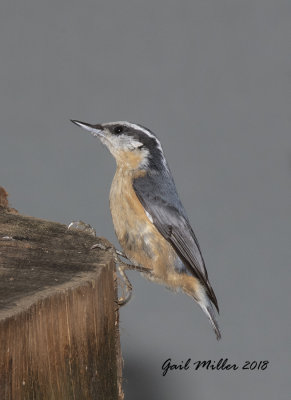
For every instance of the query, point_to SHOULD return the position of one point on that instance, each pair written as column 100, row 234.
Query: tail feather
column 201, row 295
column 208, row 309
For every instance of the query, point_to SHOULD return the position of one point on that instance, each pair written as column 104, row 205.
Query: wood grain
column 59, row 334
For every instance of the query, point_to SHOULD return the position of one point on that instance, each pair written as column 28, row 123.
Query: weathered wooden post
column 59, row 336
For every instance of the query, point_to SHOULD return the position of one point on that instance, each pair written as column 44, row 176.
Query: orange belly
column 140, row 240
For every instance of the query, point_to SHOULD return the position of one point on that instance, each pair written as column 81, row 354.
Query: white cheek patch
column 128, row 143
column 117, row 144
column 124, row 142
column 148, row 133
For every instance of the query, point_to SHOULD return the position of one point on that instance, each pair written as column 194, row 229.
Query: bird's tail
column 206, row 305
column 209, row 311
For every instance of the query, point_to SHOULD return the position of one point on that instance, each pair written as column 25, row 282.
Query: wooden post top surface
column 40, row 255
column 59, row 336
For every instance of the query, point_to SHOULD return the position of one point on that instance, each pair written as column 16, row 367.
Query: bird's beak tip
column 95, row 130
column 76, row 122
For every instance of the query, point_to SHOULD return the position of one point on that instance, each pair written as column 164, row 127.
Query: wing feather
column 159, row 197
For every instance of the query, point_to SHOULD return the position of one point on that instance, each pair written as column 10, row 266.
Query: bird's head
column 133, row 146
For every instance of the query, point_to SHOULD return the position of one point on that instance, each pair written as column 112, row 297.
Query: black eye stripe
column 118, row 129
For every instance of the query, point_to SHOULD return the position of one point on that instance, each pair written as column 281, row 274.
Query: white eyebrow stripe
column 134, row 126
column 147, row 132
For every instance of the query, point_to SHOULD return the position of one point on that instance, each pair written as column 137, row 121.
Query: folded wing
column 158, row 195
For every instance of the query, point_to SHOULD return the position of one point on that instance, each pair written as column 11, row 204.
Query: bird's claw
column 123, row 282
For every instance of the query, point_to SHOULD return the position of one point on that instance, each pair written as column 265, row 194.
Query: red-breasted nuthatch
column 150, row 221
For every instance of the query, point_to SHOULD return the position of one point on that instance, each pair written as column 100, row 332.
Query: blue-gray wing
column 158, row 195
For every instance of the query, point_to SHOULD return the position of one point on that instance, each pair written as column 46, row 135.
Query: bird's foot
column 124, row 282
column 122, row 266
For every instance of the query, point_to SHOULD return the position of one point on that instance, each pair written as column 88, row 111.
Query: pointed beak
column 95, row 130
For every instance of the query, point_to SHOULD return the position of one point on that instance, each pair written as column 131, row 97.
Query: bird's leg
column 117, row 254
column 80, row 225
column 120, row 253
column 124, row 299
column 122, row 266
column 132, row 267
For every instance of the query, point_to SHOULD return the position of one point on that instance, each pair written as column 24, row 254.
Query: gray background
column 211, row 78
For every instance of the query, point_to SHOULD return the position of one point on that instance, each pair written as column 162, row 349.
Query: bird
column 149, row 218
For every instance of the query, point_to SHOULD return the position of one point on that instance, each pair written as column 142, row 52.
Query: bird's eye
column 118, row 129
